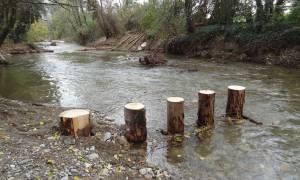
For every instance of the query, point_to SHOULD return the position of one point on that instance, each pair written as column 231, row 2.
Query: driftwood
column 153, row 59
column 252, row 120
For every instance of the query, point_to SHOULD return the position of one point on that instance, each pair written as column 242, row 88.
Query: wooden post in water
column 135, row 122
column 75, row 122
column 206, row 108
column 235, row 102
column 175, row 115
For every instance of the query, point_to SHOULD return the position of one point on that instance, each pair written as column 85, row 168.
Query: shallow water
column 105, row 81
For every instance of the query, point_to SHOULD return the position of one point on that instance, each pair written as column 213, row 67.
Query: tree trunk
column 188, row 4
column 259, row 11
column 135, row 122
column 235, row 102
column 75, row 122
column 175, row 115
column 279, row 6
column 206, row 108
column 8, row 21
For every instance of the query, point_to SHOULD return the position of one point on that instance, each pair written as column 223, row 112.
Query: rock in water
column 154, row 59
column 53, row 44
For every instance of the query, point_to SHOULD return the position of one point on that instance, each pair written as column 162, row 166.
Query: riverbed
column 106, row 81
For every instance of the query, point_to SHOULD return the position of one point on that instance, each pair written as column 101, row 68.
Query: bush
column 38, row 31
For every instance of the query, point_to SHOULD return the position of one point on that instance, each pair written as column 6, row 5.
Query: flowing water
column 105, row 81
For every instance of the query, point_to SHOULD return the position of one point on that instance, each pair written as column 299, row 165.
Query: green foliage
column 156, row 18
column 65, row 26
column 38, row 31
column 294, row 16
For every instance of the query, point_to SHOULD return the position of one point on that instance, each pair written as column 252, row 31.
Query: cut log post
column 135, row 122
column 75, row 122
column 175, row 115
column 235, row 102
column 206, row 107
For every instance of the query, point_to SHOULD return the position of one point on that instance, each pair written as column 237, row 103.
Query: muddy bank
column 22, row 48
column 276, row 44
column 31, row 147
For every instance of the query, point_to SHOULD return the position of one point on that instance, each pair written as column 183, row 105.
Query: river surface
column 106, row 81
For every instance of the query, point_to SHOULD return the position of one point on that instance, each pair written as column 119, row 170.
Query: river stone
column 93, row 156
column 146, row 171
column 107, row 136
column 65, row 178
column 122, row 140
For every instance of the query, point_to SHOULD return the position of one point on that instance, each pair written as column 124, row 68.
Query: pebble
column 143, row 171
column 87, row 165
column 107, row 136
column 93, row 156
column 146, row 171
column 74, row 171
column 69, row 141
column 65, row 178
column 122, row 140
column 104, row 172
column 92, row 148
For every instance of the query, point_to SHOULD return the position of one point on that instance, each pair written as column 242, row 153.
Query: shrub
column 38, row 31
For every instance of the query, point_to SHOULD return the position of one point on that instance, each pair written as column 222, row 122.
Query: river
column 106, row 81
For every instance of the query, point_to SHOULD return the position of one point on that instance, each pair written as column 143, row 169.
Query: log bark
column 135, row 122
column 206, row 108
column 175, row 115
column 235, row 102
column 75, row 122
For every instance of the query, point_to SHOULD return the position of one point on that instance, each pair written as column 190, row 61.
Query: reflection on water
column 105, row 81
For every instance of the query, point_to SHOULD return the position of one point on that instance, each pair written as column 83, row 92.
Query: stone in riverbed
column 122, row 141
column 93, row 156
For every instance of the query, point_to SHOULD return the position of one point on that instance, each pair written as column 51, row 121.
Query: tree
column 16, row 16
column 188, row 7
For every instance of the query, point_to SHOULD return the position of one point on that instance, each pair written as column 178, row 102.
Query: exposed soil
column 31, row 147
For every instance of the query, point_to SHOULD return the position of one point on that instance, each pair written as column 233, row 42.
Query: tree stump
column 175, row 115
column 235, row 102
column 206, row 108
column 75, row 122
column 135, row 122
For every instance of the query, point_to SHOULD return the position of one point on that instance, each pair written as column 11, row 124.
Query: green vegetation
column 38, row 31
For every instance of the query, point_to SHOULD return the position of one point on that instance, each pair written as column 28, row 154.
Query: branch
column 52, row 3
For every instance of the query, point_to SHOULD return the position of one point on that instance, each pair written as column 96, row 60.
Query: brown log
column 206, row 108
column 75, row 122
column 135, row 122
column 235, row 102
column 175, row 115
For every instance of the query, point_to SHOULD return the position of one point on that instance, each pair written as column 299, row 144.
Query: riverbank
column 31, row 147
column 22, row 48
column 272, row 44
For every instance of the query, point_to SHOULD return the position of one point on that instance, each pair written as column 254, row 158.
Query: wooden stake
column 206, row 108
column 75, row 122
column 235, row 102
column 175, row 115
column 135, row 122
